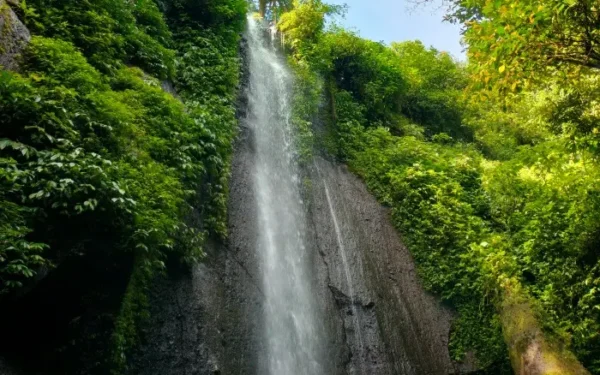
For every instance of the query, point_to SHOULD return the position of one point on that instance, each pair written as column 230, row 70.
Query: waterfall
column 325, row 288
column 291, row 332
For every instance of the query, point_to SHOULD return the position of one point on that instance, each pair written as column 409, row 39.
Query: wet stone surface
column 209, row 321
column 14, row 36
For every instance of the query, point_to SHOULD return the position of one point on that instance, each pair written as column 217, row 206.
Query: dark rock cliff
column 208, row 321
column 403, row 329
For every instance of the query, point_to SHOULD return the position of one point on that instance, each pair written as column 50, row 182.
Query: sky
column 398, row 20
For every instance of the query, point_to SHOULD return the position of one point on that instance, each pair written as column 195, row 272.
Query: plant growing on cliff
column 97, row 157
column 474, row 224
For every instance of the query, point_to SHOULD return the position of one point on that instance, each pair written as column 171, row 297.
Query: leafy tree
column 434, row 95
column 512, row 44
column 276, row 7
column 304, row 25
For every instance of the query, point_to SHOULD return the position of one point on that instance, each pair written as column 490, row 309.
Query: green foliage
column 434, row 193
column 208, row 70
column 369, row 71
column 479, row 330
column 526, row 216
column 548, row 201
column 574, row 113
column 274, row 9
column 74, row 163
column 345, row 129
column 221, row 16
column 434, row 95
column 133, row 313
column 304, row 24
column 108, row 32
column 514, row 44
column 62, row 64
column 499, row 132
column 96, row 156
column 308, row 90
column 392, row 83
column 19, row 257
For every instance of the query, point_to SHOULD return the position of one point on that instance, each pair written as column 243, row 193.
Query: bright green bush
column 370, row 71
column 110, row 33
column 308, row 92
column 97, row 157
column 548, row 201
column 433, row 97
column 469, row 222
column 208, row 69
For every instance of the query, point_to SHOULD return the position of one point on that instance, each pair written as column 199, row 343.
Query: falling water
column 291, row 328
column 342, row 250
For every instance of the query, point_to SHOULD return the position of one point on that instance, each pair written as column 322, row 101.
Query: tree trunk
column 262, row 7
column 531, row 353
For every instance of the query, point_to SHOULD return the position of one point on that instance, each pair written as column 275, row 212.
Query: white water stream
column 291, row 324
column 346, row 267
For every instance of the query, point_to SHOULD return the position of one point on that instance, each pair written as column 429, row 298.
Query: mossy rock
column 14, row 36
column 531, row 351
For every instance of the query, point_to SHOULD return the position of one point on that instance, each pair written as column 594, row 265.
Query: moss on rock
column 14, row 36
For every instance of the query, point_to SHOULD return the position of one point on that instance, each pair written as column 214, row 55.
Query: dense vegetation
column 98, row 158
column 490, row 168
column 116, row 136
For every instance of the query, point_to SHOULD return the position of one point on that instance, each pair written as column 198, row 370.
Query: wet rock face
column 14, row 36
column 210, row 320
column 201, row 323
column 392, row 325
column 377, row 317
